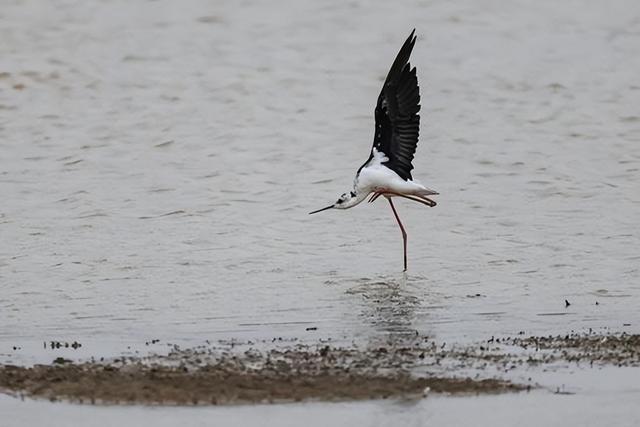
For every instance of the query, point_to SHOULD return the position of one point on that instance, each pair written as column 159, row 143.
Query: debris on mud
column 222, row 384
column 232, row 373
column 619, row 349
column 189, row 377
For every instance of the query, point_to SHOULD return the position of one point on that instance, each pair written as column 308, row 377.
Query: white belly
column 377, row 178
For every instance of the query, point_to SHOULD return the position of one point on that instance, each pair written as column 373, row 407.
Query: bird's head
column 345, row 201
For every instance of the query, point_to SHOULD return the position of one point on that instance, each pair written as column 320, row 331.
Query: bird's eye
column 353, row 194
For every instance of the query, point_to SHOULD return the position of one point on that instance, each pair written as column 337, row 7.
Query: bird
column 387, row 171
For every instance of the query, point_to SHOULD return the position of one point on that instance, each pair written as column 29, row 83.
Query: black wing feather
column 397, row 119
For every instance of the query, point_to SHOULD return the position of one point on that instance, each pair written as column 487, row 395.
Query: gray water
column 158, row 161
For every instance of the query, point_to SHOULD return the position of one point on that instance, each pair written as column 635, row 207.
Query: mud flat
column 192, row 377
column 221, row 385
column 214, row 375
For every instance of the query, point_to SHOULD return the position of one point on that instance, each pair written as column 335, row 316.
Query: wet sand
column 137, row 383
column 211, row 376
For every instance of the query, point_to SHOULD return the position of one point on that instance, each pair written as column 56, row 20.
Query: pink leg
column 432, row 203
column 419, row 199
column 416, row 198
column 404, row 233
column 374, row 197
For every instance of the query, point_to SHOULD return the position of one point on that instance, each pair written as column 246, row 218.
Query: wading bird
column 387, row 171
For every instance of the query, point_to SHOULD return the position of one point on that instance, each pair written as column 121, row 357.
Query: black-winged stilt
column 387, row 171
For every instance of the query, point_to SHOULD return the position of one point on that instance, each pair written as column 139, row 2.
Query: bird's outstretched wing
column 397, row 119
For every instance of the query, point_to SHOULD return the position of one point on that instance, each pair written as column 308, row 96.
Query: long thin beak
column 320, row 210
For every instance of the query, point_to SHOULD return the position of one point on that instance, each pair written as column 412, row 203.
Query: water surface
column 158, row 161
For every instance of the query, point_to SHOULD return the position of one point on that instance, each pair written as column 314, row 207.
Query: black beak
column 320, row 210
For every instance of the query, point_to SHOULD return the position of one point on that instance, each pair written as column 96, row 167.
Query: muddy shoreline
column 237, row 375
column 214, row 385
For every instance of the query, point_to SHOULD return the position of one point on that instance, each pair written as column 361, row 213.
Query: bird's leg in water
column 404, row 233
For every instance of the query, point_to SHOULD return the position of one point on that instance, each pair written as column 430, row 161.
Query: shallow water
column 532, row 409
column 158, row 161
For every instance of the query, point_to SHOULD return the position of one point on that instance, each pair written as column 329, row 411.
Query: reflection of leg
column 404, row 233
